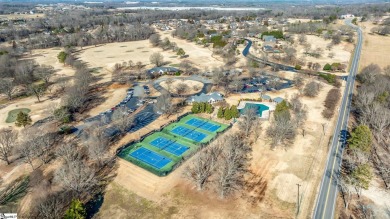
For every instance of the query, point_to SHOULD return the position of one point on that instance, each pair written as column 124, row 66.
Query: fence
column 131, row 144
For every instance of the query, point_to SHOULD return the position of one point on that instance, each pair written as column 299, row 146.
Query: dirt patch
column 194, row 86
column 284, row 185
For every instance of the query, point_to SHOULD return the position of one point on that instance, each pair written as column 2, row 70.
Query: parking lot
column 135, row 98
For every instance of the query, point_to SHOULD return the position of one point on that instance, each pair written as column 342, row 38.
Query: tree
column 282, row 108
column 312, row 89
column 76, row 210
column 38, row 90
column 203, row 166
column 75, row 176
column 361, row 177
column 232, row 165
column 8, row 141
column 182, row 89
column 122, row 119
column 22, row 119
column 227, row 114
column 327, row 67
column 186, row 66
column 221, row 112
column 180, row 52
column 7, row 87
column 298, row 81
column 154, row 39
column 62, row 57
column 282, row 129
column 248, row 119
column 234, row 111
column 44, row 72
column 165, row 105
column 302, row 39
column 157, row 59
column 361, row 139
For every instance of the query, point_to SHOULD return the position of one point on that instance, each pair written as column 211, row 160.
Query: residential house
column 206, row 98
column 162, row 70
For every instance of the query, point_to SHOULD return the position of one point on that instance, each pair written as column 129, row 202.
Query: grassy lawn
column 125, row 204
column 14, row 113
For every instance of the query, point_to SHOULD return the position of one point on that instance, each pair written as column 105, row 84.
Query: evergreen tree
column 282, row 108
column 227, row 114
column 220, row 113
column 209, row 108
column 202, row 107
column 234, row 111
column 62, row 56
column 195, row 107
column 361, row 139
column 361, row 176
column 76, row 210
column 22, row 119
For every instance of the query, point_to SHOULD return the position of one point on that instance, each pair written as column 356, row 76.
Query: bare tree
column 182, row 89
column 157, row 59
column 7, row 87
column 8, row 141
column 302, row 39
column 232, row 165
column 312, row 89
column 68, row 151
column 165, row 105
column 44, row 144
column 97, row 143
column 154, row 39
column 44, row 72
column 248, row 119
column 75, row 176
column 281, row 130
column 203, row 166
column 122, row 119
column 38, row 90
column 298, row 81
column 169, row 83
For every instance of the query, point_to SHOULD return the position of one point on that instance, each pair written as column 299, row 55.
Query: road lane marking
column 350, row 88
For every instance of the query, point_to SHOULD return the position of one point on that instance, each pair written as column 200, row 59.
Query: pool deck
column 265, row 114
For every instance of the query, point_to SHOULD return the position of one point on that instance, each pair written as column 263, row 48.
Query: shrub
column 327, row 67
column 331, row 101
column 311, row 89
column 330, row 78
column 62, row 56
column 298, row 67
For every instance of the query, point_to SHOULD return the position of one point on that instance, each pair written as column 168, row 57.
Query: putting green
column 14, row 113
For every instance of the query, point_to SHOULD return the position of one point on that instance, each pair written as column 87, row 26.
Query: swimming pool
column 260, row 108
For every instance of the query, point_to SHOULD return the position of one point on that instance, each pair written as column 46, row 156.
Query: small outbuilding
column 278, row 99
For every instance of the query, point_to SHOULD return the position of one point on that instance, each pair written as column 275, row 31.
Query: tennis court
column 170, row 146
column 189, row 133
column 202, row 124
column 156, row 160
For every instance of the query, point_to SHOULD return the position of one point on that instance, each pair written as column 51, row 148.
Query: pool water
column 258, row 106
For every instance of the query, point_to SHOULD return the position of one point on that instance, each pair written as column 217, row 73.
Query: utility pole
column 299, row 204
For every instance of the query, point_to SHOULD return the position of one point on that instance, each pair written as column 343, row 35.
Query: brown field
column 20, row 16
column 342, row 51
column 376, row 48
column 276, row 173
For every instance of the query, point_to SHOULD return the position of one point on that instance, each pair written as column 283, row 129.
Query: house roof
column 265, row 97
column 278, row 99
column 162, row 69
column 268, row 38
column 206, row 97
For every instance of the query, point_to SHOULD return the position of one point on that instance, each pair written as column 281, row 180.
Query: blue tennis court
column 189, row 133
column 169, row 145
column 205, row 125
column 150, row 157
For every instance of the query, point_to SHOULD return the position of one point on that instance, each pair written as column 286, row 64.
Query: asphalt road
column 326, row 200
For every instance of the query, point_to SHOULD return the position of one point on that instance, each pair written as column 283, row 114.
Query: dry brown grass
column 376, row 48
